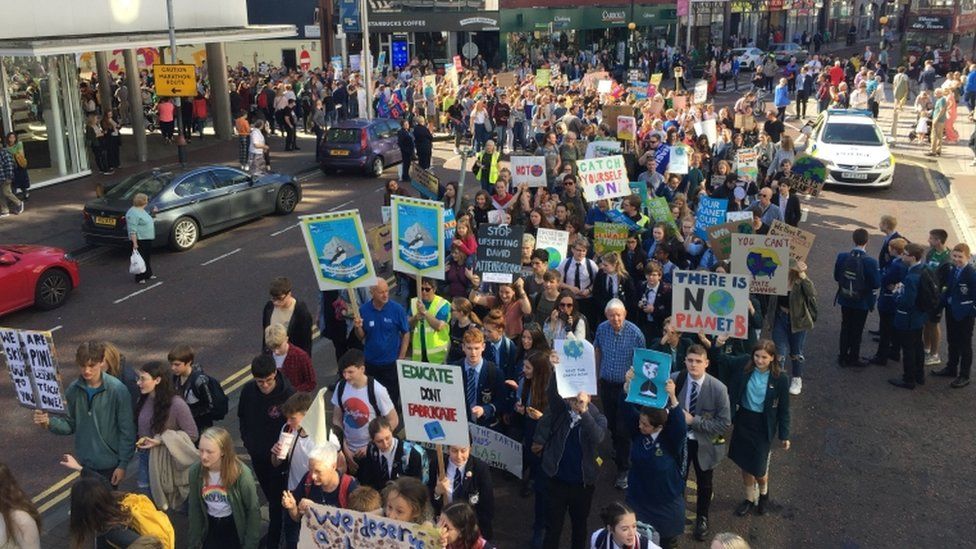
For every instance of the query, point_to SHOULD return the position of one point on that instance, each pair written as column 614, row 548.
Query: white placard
column 530, row 170
column 708, row 129
column 496, row 449
column 43, row 361
column 603, row 177
column 711, row 303
column 434, row 410
column 13, row 356
column 738, row 216
column 604, row 86
column 599, row 149
column 701, row 91
column 555, row 242
column 576, row 370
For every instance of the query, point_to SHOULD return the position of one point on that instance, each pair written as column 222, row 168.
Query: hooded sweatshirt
column 261, row 416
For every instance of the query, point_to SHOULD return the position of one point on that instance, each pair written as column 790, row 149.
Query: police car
column 853, row 148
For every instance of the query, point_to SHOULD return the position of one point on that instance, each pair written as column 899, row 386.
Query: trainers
column 744, row 508
column 796, row 385
column 621, row 482
column 20, row 209
column 932, row 360
column 4, row 214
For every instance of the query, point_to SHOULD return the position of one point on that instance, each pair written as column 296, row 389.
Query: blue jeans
column 502, row 132
column 480, row 136
column 142, row 481
column 789, row 343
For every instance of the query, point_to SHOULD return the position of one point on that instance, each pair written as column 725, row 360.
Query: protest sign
column 711, row 211
column 708, row 129
column 604, row 86
column 380, row 239
column 619, row 217
column 451, row 75
column 31, row 357
column 496, row 449
column 385, row 214
column 611, row 113
column 13, row 356
column 713, row 303
column 555, row 242
column 701, row 92
column 678, row 159
column 651, row 372
column 505, row 79
column 600, row 149
column 338, row 250
column 657, row 104
column 766, row 261
column 660, row 212
column 640, row 189
column 747, row 164
column 609, row 237
column 720, row 236
column 530, row 170
column 499, row 252
column 626, row 128
column 738, row 216
column 801, row 242
column 716, row 181
column 679, row 102
column 656, row 79
column 638, row 89
column 576, row 370
column 591, row 79
column 450, row 224
column 542, row 77
column 418, row 241
column 458, row 64
column 603, row 177
column 806, row 186
column 497, row 217
column 425, row 182
column 434, row 409
column 326, row 527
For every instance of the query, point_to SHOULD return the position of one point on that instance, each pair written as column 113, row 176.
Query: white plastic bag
column 137, row 265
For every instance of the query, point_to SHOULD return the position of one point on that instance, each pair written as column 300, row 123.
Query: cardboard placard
column 576, row 370
column 701, row 92
column 626, row 128
column 713, row 303
column 499, row 252
column 609, row 237
column 380, row 239
column 31, row 358
column 530, row 170
column 434, row 409
column 720, row 237
column 738, row 216
column 425, row 182
column 603, row 177
column 765, row 260
column 496, row 449
column 678, row 159
column 555, row 242
column 325, row 527
column 612, row 112
column 806, row 186
column 505, row 79
column 651, row 372
column 801, row 242
column 338, row 250
column 600, row 149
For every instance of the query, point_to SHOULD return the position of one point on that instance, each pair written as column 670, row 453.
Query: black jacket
column 792, row 213
column 624, row 291
column 476, row 490
column 299, row 327
column 423, row 139
column 406, row 144
column 371, row 472
column 261, row 417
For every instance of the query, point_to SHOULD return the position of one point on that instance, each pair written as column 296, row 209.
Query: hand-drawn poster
column 651, row 372
column 418, row 237
column 766, row 261
column 338, row 250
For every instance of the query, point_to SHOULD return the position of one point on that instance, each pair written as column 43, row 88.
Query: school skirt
column 749, row 448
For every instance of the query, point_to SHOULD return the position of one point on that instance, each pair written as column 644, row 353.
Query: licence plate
column 339, row 152
column 105, row 221
column 854, row 175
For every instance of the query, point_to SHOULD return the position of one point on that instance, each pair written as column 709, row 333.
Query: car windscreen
column 839, row 133
column 343, row 135
column 149, row 184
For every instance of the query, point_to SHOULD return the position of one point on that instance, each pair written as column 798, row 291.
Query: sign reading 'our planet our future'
column 711, row 303
column 603, row 177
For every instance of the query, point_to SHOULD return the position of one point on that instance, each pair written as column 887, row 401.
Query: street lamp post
column 366, row 62
column 180, row 140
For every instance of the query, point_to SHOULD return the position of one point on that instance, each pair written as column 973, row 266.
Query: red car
column 35, row 275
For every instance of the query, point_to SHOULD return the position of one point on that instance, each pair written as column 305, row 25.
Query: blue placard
column 349, row 13
column 617, row 216
column 651, row 372
column 711, row 211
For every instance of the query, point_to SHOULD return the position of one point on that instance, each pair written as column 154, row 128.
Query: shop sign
column 613, row 16
column 965, row 22
column 942, row 22
column 450, row 21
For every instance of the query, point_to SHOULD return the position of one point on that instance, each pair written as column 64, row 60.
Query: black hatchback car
column 367, row 146
column 189, row 203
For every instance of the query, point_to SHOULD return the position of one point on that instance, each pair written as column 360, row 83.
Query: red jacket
column 199, row 108
column 297, row 367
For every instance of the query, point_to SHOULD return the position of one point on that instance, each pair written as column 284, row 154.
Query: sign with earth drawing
column 765, row 260
column 711, row 303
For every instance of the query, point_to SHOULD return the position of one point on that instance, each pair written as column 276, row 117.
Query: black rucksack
column 215, row 395
column 929, row 297
column 370, row 392
column 852, row 283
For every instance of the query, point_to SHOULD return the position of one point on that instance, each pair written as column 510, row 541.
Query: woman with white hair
column 256, row 164
column 322, row 485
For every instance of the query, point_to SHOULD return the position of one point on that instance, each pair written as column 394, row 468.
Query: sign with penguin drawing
column 337, row 248
column 418, row 237
column 765, row 260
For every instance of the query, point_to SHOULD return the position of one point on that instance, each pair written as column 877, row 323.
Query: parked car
column 189, row 203
column 749, row 58
column 368, row 146
column 853, row 148
column 35, row 275
column 784, row 51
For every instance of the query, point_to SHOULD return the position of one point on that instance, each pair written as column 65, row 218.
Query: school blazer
column 476, row 490
column 730, row 370
column 713, row 419
column 958, row 296
column 494, row 396
column 371, row 472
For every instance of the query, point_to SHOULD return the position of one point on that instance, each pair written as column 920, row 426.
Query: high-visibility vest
column 436, row 341
column 492, row 167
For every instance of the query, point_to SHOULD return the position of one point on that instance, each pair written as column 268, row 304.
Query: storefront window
column 432, row 46
column 41, row 102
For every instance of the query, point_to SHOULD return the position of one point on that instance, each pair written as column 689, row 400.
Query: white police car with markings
column 853, row 148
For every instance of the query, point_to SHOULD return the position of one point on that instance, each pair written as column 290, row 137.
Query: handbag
column 137, row 265
column 476, row 166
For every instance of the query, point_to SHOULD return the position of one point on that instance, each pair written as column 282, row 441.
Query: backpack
column 344, row 482
column 149, row 521
column 409, row 447
column 370, row 392
column 219, row 403
column 928, row 297
column 852, row 282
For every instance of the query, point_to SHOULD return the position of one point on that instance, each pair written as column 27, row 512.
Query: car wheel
column 286, row 200
column 376, row 169
column 52, row 289
column 184, row 234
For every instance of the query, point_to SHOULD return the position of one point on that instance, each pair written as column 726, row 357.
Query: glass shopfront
column 40, row 100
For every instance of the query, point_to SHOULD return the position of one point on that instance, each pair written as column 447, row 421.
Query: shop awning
column 56, row 45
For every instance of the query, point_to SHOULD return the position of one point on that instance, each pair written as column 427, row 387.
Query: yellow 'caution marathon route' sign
column 175, row 80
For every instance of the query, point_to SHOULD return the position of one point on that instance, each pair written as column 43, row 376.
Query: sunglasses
column 279, row 297
column 427, row 289
column 565, row 305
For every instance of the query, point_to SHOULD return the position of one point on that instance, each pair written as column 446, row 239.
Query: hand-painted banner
column 434, row 409
column 576, row 370
column 651, row 372
column 801, row 242
column 499, row 252
column 712, row 303
column 766, row 261
column 542, row 78
column 338, row 250
column 326, row 527
column 640, row 189
column 720, row 236
column 609, row 237
column 555, row 242
column 32, row 361
column 530, row 170
column 711, row 211
column 418, row 237
column 496, row 449
column 603, row 177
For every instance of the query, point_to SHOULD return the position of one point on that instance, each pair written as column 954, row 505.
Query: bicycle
column 759, row 103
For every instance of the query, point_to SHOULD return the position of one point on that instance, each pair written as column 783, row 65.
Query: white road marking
column 219, row 257
column 288, row 228
column 334, row 208
column 56, row 328
column 133, row 294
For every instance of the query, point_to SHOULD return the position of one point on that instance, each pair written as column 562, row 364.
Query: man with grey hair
column 614, row 344
column 322, row 485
